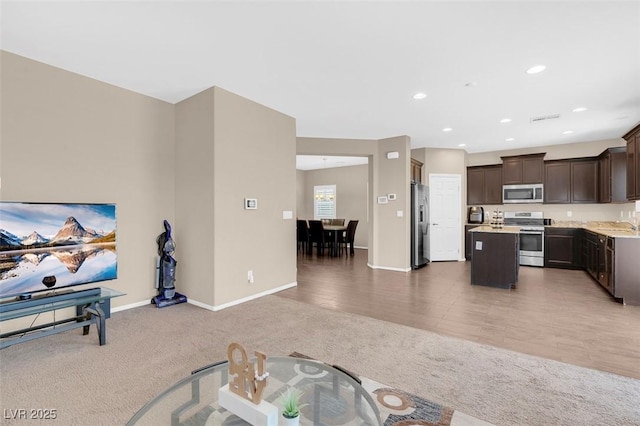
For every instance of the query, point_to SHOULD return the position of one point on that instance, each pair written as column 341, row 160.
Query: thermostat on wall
column 391, row 197
column 250, row 203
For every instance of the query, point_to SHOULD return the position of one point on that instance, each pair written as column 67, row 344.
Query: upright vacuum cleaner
column 166, row 271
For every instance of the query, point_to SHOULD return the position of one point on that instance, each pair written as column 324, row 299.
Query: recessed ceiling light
column 580, row 109
column 536, row 69
column 462, row 144
column 510, row 139
column 419, row 95
column 447, row 129
column 505, row 120
column 567, row 132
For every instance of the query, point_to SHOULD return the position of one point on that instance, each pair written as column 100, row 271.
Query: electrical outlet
column 569, row 213
column 250, row 277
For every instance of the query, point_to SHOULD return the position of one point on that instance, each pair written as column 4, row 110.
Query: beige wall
column 195, row 195
column 388, row 234
column 255, row 157
column 228, row 149
column 393, row 227
column 191, row 164
column 445, row 161
column 352, row 195
column 553, row 152
column 301, row 202
column 68, row 138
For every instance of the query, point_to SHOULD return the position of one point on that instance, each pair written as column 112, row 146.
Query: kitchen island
column 495, row 256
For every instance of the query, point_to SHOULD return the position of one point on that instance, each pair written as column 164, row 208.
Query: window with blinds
column 324, row 202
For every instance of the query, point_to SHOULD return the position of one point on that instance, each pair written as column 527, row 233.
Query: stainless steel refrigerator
column 419, row 225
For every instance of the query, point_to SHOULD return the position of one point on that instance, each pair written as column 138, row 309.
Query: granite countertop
column 503, row 230
column 610, row 229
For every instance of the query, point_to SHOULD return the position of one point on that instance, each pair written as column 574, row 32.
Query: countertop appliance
column 419, row 225
column 531, row 236
column 476, row 215
column 525, row 193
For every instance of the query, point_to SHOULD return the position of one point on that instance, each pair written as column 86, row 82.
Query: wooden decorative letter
column 247, row 382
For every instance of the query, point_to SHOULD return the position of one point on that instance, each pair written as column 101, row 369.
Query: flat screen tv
column 49, row 246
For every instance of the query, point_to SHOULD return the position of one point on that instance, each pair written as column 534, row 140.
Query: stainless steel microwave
column 527, row 193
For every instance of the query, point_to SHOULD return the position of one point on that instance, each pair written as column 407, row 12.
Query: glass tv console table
column 93, row 306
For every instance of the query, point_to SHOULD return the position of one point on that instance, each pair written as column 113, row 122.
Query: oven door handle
column 532, row 232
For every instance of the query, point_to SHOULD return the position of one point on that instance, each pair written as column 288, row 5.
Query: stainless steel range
column 531, row 236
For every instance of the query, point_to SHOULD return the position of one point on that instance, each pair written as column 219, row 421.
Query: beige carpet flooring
column 148, row 349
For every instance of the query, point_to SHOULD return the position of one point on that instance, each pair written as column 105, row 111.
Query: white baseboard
column 244, row 299
column 209, row 307
column 201, row 305
column 388, row 268
column 131, row 306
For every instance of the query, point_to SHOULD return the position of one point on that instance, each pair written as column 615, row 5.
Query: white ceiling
column 349, row 69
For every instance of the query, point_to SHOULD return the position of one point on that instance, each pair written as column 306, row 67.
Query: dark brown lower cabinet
column 467, row 241
column 596, row 259
column 563, row 248
column 613, row 263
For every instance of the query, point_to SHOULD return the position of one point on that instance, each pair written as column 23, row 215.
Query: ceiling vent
column 541, row 118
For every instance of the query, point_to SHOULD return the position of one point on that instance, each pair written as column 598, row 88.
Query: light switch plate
column 250, row 203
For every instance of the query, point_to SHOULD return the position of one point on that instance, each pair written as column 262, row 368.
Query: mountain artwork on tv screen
column 75, row 243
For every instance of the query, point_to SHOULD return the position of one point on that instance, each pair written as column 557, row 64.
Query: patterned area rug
column 399, row 408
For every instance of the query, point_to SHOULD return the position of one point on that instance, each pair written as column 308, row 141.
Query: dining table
column 333, row 231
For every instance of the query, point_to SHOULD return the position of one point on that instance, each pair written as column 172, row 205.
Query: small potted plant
column 291, row 406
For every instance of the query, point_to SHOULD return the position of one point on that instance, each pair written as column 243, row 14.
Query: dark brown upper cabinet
column 557, row 182
column 571, row 181
column 484, row 185
column 633, row 163
column 416, row 171
column 612, row 175
column 523, row 169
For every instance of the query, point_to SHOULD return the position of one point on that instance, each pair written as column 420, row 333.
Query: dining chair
column 302, row 231
column 316, row 235
column 349, row 236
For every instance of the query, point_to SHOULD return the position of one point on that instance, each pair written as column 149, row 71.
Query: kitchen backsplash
column 591, row 224
column 579, row 213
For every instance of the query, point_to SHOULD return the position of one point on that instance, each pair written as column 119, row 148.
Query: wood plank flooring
column 556, row 314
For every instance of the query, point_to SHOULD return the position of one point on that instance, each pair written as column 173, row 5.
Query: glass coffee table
column 333, row 397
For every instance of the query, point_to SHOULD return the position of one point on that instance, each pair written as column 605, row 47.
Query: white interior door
column 444, row 207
